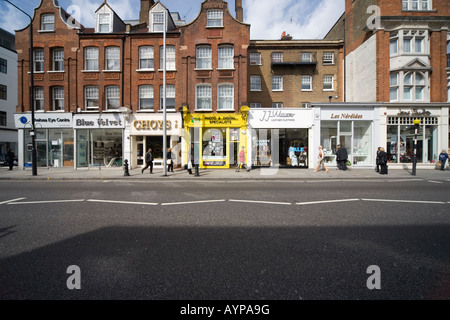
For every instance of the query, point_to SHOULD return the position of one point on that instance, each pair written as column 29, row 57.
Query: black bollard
column 196, row 171
column 125, row 168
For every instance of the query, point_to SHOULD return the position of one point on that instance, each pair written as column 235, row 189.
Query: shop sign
column 43, row 120
column 421, row 112
column 281, row 118
column 98, row 121
column 347, row 116
column 153, row 124
column 221, row 120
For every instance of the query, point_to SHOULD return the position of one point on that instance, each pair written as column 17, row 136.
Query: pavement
column 102, row 173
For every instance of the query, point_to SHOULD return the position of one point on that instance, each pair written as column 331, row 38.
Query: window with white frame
column 306, row 83
column 255, row 59
column 91, row 58
column 448, row 51
column 112, row 97
column 328, row 58
column 448, row 90
column 158, row 21
column 394, row 86
column 91, row 97
column 277, row 83
column 277, row 57
column 409, row 42
column 225, row 97
column 255, row 105
column 203, row 97
column 328, row 83
column 214, row 18
column 58, row 59
column 277, row 105
column 48, row 22
column 170, row 57
column 112, row 59
column 393, row 43
column 104, row 22
column 226, row 57
column 255, row 83
column 170, row 97
column 146, row 58
column 416, row 5
column 413, row 86
column 306, row 57
column 39, row 99
column 58, row 98
column 38, row 60
column 203, row 57
column 146, row 97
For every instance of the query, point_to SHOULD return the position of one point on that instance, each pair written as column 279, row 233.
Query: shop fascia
column 43, row 120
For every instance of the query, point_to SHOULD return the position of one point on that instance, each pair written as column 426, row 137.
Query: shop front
column 54, row 139
column 214, row 140
column 99, row 139
column 356, row 127
column 280, row 137
column 147, row 131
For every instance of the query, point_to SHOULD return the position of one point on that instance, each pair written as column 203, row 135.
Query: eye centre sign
column 44, row 120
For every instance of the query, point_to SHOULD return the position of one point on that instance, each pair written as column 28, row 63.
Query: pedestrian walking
column 10, row 158
column 443, row 156
column 382, row 160
column 377, row 167
column 170, row 157
column 341, row 157
column 148, row 160
column 241, row 160
column 321, row 160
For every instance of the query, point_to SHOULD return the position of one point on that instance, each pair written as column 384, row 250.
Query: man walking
column 341, row 157
column 148, row 161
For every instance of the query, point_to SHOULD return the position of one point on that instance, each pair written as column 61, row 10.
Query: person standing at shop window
column 382, row 160
column 10, row 159
column 321, row 160
column 443, row 156
column 170, row 157
column 148, row 161
column 241, row 160
column 341, row 157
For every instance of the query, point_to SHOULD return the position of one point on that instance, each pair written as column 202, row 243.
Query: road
column 225, row 240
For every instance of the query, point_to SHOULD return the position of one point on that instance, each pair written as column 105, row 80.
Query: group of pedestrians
column 341, row 158
column 149, row 160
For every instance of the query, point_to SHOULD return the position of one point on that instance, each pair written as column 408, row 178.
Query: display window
column 99, row 147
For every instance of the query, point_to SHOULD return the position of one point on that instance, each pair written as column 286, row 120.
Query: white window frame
column 417, row 5
column 91, row 55
column 394, row 86
column 393, row 44
column 255, row 59
column 146, row 58
column 225, row 97
column 327, row 80
column 146, row 92
column 328, row 58
column 306, row 57
column 226, row 57
column 170, row 58
column 58, row 98
column 214, row 18
column 38, row 60
column 277, row 57
column 39, row 99
column 255, row 105
column 58, row 59
column 170, row 97
column 47, row 22
column 277, row 105
column 112, row 58
column 112, row 93
column 158, row 21
column 203, row 91
column 104, row 20
column 203, row 58
column 306, row 80
column 277, row 83
column 255, row 83
column 91, row 95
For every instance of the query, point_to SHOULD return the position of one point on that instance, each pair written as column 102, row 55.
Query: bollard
column 196, row 171
column 125, row 168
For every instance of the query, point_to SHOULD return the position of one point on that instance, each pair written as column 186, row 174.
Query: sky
column 302, row 19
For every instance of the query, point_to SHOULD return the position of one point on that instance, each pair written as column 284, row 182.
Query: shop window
column 226, row 57
column 146, row 58
column 225, row 97
column 48, row 22
column 203, row 97
column 170, row 57
column 58, row 59
column 214, row 147
column 91, row 59
column 146, row 97
column 112, row 58
column 39, row 99
column 38, row 60
column 112, row 97
column 58, row 98
column 255, row 83
column 91, row 97
column 170, row 97
column 214, row 18
column 203, row 57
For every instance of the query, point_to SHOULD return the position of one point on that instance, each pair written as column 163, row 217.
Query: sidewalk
column 217, row 174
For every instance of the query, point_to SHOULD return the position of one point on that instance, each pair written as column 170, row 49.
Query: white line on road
column 263, row 202
column 405, row 201
column 325, row 201
column 123, row 202
column 435, row 181
column 8, row 201
column 47, row 201
column 190, row 202
column 404, row 180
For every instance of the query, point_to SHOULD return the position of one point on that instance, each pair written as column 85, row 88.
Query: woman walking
column 321, row 160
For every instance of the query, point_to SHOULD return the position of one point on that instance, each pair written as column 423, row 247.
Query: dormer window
column 48, row 22
column 214, row 18
column 104, row 22
column 158, row 21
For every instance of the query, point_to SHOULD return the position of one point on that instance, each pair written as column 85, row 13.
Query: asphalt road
column 228, row 240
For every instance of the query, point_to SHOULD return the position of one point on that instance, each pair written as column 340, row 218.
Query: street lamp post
column 32, row 133
column 416, row 129
column 164, row 97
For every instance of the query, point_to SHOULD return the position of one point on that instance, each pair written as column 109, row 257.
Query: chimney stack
column 145, row 8
column 239, row 10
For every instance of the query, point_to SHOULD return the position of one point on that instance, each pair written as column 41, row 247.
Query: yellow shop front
column 214, row 140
